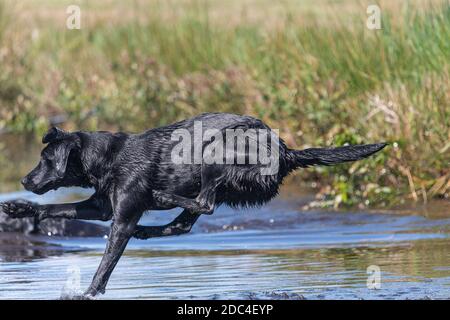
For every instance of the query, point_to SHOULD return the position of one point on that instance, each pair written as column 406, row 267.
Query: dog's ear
column 66, row 143
column 64, row 148
column 54, row 134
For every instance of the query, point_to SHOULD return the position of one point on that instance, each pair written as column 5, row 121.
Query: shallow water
column 276, row 252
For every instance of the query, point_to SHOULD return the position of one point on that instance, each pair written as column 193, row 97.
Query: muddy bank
column 18, row 247
column 60, row 227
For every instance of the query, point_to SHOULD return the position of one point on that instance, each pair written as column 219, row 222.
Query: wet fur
column 132, row 173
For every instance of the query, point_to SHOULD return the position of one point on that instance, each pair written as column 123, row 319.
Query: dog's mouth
column 40, row 189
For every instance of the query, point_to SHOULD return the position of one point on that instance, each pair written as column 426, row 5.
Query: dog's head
column 50, row 173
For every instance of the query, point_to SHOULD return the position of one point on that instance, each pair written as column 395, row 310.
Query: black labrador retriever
column 133, row 173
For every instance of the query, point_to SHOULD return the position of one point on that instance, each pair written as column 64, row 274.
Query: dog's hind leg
column 180, row 225
column 204, row 203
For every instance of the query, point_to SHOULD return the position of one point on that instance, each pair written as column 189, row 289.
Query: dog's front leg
column 122, row 228
column 21, row 208
column 94, row 208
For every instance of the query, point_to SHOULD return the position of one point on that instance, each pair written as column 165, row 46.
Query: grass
column 311, row 69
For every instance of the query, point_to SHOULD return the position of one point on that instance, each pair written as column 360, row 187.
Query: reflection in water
column 16, row 247
column 407, row 272
column 275, row 252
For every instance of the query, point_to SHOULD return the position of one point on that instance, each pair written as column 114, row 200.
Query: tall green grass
column 321, row 84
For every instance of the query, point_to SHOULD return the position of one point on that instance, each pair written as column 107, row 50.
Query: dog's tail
column 331, row 156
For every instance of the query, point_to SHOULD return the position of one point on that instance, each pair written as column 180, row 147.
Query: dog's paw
column 19, row 209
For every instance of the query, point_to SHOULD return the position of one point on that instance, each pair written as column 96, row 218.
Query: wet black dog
column 132, row 173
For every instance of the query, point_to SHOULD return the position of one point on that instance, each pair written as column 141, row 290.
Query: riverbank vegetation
column 311, row 69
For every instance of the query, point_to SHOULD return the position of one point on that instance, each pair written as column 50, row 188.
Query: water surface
column 276, row 252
